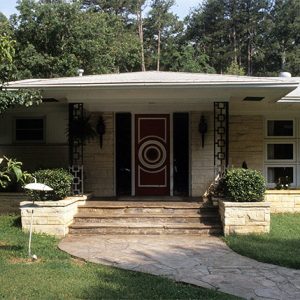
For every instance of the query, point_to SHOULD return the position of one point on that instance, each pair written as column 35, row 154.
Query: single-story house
column 159, row 133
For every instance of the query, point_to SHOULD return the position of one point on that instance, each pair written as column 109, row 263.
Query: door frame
column 171, row 176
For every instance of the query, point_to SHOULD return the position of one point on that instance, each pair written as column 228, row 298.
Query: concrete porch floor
column 202, row 261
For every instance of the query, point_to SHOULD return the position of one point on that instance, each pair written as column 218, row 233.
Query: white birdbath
column 40, row 187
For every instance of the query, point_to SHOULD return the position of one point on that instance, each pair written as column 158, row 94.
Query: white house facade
column 158, row 133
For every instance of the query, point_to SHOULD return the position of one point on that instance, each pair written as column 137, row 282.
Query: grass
column 280, row 247
column 55, row 275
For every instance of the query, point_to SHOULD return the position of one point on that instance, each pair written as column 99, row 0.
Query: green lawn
column 58, row 276
column 280, row 247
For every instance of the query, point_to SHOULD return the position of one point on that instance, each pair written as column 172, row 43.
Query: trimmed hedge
column 60, row 180
column 244, row 185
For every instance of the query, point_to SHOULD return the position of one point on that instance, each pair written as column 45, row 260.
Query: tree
column 55, row 39
column 160, row 19
column 235, row 69
column 284, row 37
column 9, row 99
column 206, row 30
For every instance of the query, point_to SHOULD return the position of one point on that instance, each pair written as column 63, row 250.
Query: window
column 29, row 129
column 280, row 128
column 280, row 151
column 279, row 173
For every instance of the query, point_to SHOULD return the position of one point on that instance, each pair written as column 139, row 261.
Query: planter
column 10, row 202
column 283, row 201
column 51, row 217
column 244, row 217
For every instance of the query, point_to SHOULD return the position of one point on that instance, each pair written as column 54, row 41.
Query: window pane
column 280, row 151
column 29, row 123
column 275, row 173
column 29, row 130
column 280, row 128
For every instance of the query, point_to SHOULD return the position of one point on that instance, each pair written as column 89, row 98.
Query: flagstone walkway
column 203, row 261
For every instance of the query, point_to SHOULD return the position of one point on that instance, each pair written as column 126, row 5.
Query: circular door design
column 152, row 154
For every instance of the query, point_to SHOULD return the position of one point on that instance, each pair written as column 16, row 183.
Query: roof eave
column 289, row 85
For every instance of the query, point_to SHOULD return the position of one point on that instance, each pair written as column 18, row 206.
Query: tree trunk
column 283, row 59
column 141, row 35
column 158, row 50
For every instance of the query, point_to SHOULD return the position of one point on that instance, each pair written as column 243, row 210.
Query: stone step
column 141, row 208
column 210, row 218
column 133, row 228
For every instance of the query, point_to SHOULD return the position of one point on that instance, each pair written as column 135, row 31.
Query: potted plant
column 81, row 129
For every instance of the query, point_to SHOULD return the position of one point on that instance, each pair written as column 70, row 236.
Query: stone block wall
column 283, row 201
column 50, row 217
column 202, row 159
column 246, row 141
column 245, row 217
column 99, row 163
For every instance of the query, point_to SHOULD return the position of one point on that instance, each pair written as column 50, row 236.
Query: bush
column 60, row 180
column 244, row 185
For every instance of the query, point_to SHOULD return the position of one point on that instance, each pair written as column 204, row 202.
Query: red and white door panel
column 152, row 155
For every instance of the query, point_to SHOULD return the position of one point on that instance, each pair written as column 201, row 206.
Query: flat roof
column 153, row 78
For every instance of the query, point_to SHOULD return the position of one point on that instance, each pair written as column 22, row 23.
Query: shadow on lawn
column 279, row 251
column 17, row 222
column 11, row 247
column 134, row 285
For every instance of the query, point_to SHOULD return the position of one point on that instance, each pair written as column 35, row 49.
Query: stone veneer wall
column 50, row 217
column 245, row 217
column 283, row 201
column 246, row 137
column 202, row 159
column 99, row 163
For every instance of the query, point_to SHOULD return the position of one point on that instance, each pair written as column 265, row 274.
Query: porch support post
column 221, row 134
column 76, row 147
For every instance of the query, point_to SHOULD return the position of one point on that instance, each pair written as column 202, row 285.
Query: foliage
column 22, row 97
column 60, row 180
column 7, row 52
column 68, row 37
column 262, row 36
column 56, row 275
column 55, row 38
column 235, row 69
column 244, row 185
column 280, row 247
column 82, row 128
column 9, row 99
column 11, row 172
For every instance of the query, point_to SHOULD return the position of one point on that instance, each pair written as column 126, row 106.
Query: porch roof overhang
column 170, row 86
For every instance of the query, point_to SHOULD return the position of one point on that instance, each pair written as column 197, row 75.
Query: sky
column 181, row 8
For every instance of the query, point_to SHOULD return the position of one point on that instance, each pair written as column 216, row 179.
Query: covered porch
column 163, row 133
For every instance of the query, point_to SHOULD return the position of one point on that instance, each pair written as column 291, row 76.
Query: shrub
column 60, row 180
column 244, row 185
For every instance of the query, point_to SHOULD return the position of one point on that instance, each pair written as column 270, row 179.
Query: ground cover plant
column 55, row 275
column 280, row 247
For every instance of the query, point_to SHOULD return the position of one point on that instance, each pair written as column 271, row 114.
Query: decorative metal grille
column 220, row 137
column 76, row 148
column 77, row 172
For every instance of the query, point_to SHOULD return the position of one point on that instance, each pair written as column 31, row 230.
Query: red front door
column 152, row 155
